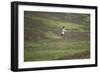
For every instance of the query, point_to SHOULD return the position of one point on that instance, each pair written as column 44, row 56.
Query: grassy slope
column 55, row 50
column 42, row 41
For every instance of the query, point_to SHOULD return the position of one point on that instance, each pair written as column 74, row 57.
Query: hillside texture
column 43, row 41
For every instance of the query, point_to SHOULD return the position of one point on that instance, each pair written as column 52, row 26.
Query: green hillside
column 42, row 37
